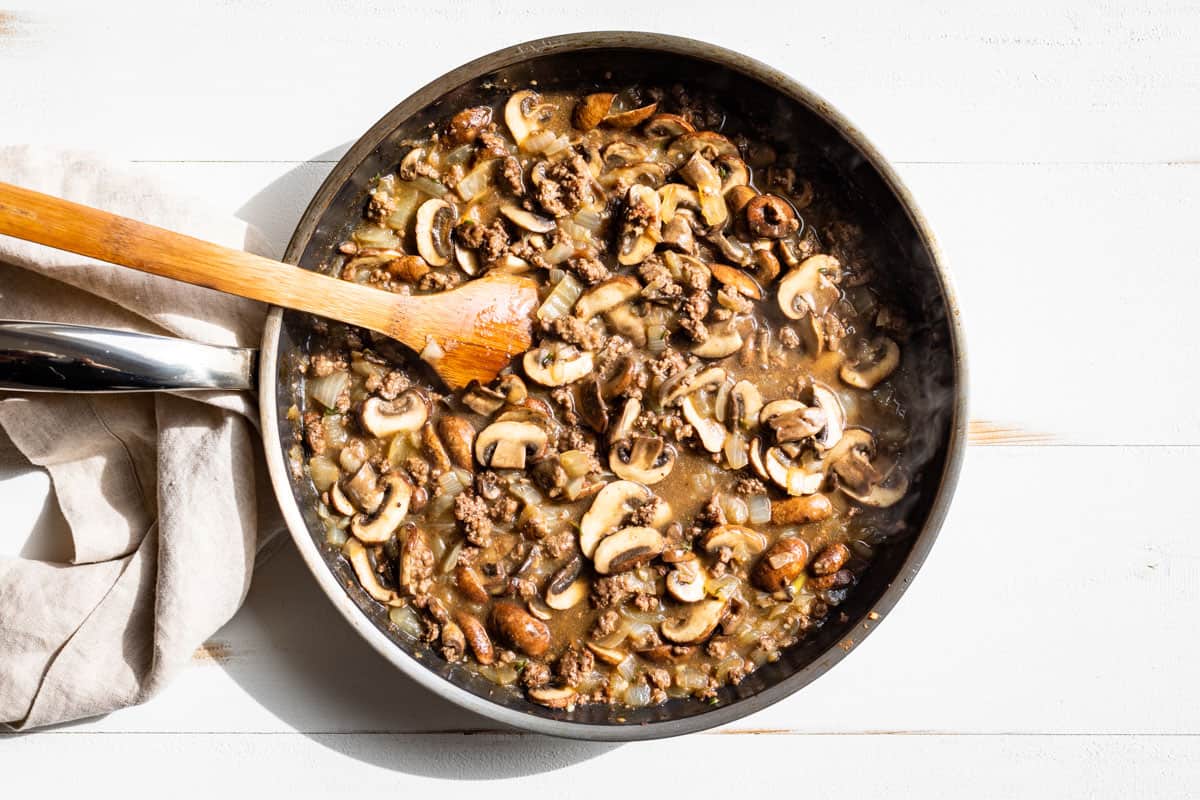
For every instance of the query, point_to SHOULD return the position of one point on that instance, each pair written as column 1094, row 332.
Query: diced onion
column 334, row 535
column 323, row 471
column 451, row 559
column 405, row 618
column 736, row 450
column 326, row 390
column 432, row 352
column 730, row 662
column 526, row 492
column 476, row 182
column 406, row 203
column 590, row 219
column 561, row 251
column 399, row 449
column 581, row 235
column 627, row 668
column 638, row 695
column 721, row 404
column 538, row 142
column 722, row 587
column 735, row 508
column 760, row 508
column 690, row 678
column 557, row 146
column 656, row 338
column 430, row 187
column 376, row 236
column 561, row 299
column 459, row 155
column 450, row 483
column 575, row 462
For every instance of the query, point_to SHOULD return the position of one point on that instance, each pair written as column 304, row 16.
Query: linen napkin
column 165, row 494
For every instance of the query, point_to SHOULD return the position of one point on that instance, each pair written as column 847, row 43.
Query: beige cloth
column 165, row 494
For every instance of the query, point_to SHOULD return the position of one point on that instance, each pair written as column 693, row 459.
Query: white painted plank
column 1019, row 81
column 1074, row 281
column 1059, row 599
column 896, row 767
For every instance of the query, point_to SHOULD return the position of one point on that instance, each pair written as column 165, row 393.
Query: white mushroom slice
column 467, row 260
column 609, row 655
column 882, row 494
column 733, row 172
column 756, row 458
column 868, row 374
column 379, row 526
column 339, row 501
column 744, row 542
column 712, row 145
column 626, row 549
column 675, row 196
column 405, row 414
column 568, row 587
column 777, row 408
column 633, row 249
column 624, row 424
column 812, row 333
column 612, row 505
column 607, row 295
column 745, row 402
column 794, row 479
column 712, row 378
column 644, row 459
column 699, row 623
column 357, row 555
column 835, row 415
column 732, row 249
column 686, row 581
column 524, row 114
column 509, row 444
column 723, row 340
column 810, row 288
column 622, row 320
column 699, row 172
column 527, row 219
column 557, row 364
column 712, row 433
column 435, row 221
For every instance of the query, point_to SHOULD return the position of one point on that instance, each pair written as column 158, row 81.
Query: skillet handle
column 54, row 357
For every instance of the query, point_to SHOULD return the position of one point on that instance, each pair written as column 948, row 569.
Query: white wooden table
column 1047, row 648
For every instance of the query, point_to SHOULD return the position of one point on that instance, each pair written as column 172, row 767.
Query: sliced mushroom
column 458, row 435
column 637, row 243
column 626, row 549
column 557, row 364
column 520, row 629
column 835, row 415
column 513, row 388
column 609, row 655
column 756, row 458
column 699, row 172
column 743, row 541
column 477, row 637
column 470, row 583
column 465, row 126
column 405, row 414
column 733, row 172
column 606, row 295
column 810, row 288
column 623, row 427
column 568, row 587
column 812, row 334
column 745, row 402
column 677, row 234
column 697, row 625
column 661, row 126
column 883, row 493
column 524, row 113
column 647, row 173
column 612, row 505
column 710, row 378
column 624, row 321
column 736, row 279
column 378, row 527
column 732, row 249
column 781, row 564
column 798, row 425
column 801, row 510
column 738, row 197
column 590, row 110
column 777, row 408
column 723, row 340
column 795, row 479
column 712, row 433
column 481, row 399
column 360, row 561
column 769, row 216
column 623, row 153
column 509, row 444
column 553, row 696
column 435, row 222
column 883, row 358
column 675, row 198
column 686, row 581
column 710, row 144
column 339, row 501
column 467, row 261
column 408, row 164
column 631, row 118
column 527, row 219
column 644, row 459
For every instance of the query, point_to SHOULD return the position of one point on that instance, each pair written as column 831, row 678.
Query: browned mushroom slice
column 477, row 637
column 527, row 219
column 724, row 339
column 591, row 109
column 553, row 696
column 712, row 433
column 883, row 356
column 481, row 399
column 709, row 144
column 622, row 153
column 835, row 415
column 378, row 527
column 626, row 549
column 458, row 435
column 781, row 564
column 557, row 364
column 568, row 587
column 744, row 542
column 810, row 288
column 696, row 625
column 435, row 221
column 771, row 217
column 699, row 172
column 736, row 279
column 883, row 493
column 591, row 407
column 644, row 459
column 509, row 444
column 733, row 172
column 631, row 118
column 745, row 403
column 662, row 126
column 609, row 655
column 795, row 478
column 360, row 561
column 622, row 428
column 612, row 505
column 405, row 414
column 520, row 630
column 692, row 381
column 607, row 295
column 339, row 501
column 686, row 581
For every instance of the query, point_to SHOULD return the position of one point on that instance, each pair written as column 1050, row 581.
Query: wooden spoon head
column 479, row 326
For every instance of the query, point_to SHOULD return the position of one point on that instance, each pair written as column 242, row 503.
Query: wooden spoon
column 478, row 326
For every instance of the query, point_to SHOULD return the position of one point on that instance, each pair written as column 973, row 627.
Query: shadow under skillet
column 312, row 668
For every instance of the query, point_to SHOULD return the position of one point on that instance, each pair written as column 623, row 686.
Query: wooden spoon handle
column 59, row 223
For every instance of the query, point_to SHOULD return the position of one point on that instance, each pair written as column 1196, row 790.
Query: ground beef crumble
column 472, row 512
column 575, row 664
